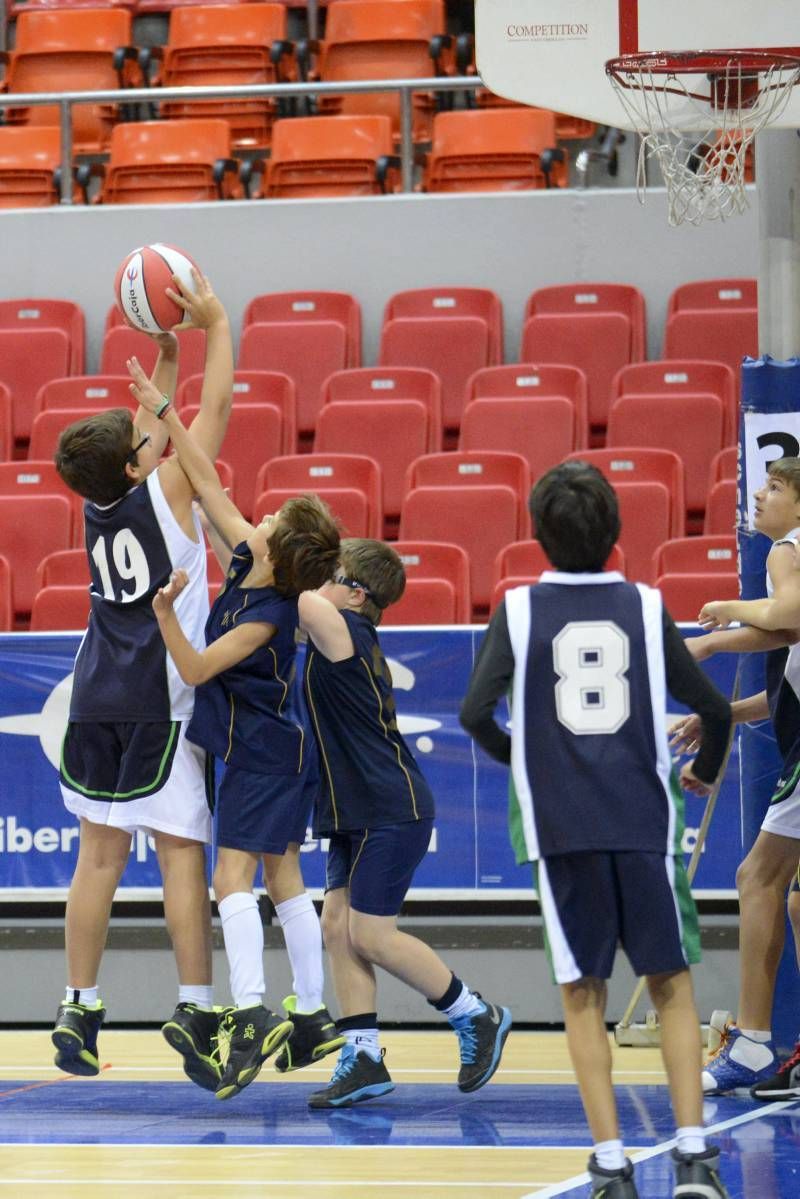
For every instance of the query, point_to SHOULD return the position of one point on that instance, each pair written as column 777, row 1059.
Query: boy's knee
column 367, row 941
column 334, row 924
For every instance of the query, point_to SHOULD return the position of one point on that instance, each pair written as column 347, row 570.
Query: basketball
column 140, row 286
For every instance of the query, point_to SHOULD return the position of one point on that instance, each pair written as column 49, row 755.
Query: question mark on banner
column 789, row 446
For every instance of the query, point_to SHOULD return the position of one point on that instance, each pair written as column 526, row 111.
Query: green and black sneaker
column 313, row 1037
column 75, row 1038
column 253, row 1034
column 194, row 1033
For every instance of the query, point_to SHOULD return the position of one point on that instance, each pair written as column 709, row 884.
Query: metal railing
column 155, row 95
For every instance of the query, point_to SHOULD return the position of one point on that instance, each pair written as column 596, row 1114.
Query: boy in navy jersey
column 243, row 715
column 377, row 810
column 126, row 764
column 745, row 1060
column 589, row 658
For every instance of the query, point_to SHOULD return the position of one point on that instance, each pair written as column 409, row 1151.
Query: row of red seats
column 688, row 571
column 477, row 500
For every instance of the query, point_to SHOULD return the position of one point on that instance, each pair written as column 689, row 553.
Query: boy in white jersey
column 125, row 762
column 745, row 1060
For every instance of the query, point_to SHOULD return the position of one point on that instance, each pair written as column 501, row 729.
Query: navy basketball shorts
column 377, row 864
column 593, row 902
column 263, row 813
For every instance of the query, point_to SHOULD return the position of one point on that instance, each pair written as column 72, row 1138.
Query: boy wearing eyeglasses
column 377, row 810
column 126, row 764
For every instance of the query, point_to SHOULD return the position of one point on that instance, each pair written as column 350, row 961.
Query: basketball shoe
column 612, row 1184
column 357, row 1077
column 738, row 1063
column 75, row 1038
column 481, row 1038
column 313, row 1036
column 785, row 1084
column 194, row 1033
column 697, row 1175
column 253, row 1033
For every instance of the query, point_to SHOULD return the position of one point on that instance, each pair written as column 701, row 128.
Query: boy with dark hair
column 377, row 810
column 745, row 1060
column 126, row 764
column 243, row 716
column 595, row 804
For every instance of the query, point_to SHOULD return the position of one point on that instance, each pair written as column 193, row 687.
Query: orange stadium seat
column 450, row 346
column 531, row 381
column 424, row 601
column 60, row 608
column 721, row 508
column 685, row 594
column 170, row 162
column 31, row 527
column 30, row 167
column 374, row 384
column 64, row 568
column 6, row 424
column 716, row 334
column 393, row 432
column 15, row 7
column 527, row 559
column 6, row 608
column 338, row 306
column 381, row 39
column 478, row 468
column 120, row 343
column 306, row 351
column 638, row 464
column 714, row 293
column 73, row 51
column 227, row 45
column 253, row 387
column 494, row 149
column 675, row 377
column 452, row 301
column 86, row 391
column 49, row 314
column 40, row 477
column 348, row 155
column 253, row 436
column 298, row 473
column 439, row 560
column 542, row 430
column 348, row 505
column 30, row 358
column 696, row 555
column 580, row 299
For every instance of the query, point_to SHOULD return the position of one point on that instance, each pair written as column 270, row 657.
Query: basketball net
column 701, row 138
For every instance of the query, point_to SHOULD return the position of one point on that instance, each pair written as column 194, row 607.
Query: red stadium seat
column 475, row 468
column 508, row 149
column 721, row 508
column 253, row 436
column 170, row 162
column 679, row 378
column 306, row 351
column 6, row 607
column 636, row 464
column 424, row 601
column 685, row 594
column 64, row 568
column 28, row 360
column 724, row 465
column 645, row 512
column 718, row 335
column 581, row 299
column 439, row 560
column 527, row 560
column 714, row 293
column 452, row 301
column 696, row 555
column 299, row 473
column 506, row 583
column 348, row 505
column 120, row 343
column 320, row 156
column 252, row 387
column 287, row 306
column 47, row 428
column 543, row 431
column 528, row 380
column 49, row 314
column 31, row 527
column 6, row 423
column 37, row 478
column 373, row 384
column 60, row 608
column 100, row 392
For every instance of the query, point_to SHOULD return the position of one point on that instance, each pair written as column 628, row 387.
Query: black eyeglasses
column 344, row 581
column 145, row 441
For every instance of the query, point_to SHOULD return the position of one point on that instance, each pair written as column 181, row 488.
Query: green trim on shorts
column 679, row 805
column 787, row 788
column 548, row 951
column 516, row 831
column 146, row 790
column 687, row 914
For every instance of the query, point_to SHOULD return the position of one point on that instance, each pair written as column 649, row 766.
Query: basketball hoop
column 697, row 113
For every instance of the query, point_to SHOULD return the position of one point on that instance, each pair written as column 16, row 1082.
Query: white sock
column 244, row 945
column 467, row 1004
column 753, row 1055
column 364, row 1040
column 87, row 996
column 200, row 996
column 759, row 1035
column 610, row 1155
column 691, row 1140
column 303, row 935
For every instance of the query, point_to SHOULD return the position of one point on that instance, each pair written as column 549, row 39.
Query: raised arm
column 164, row 378
column 325, row 625
column 781, row 610
column 204, row 311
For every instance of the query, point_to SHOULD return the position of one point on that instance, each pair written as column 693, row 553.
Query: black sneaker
column 313, row 1036
column 612, row 1184
column 785, row 1084
column 194, row 1032
column 481, row 1038
column 253, row 1033
column 75, row 1038
column 357, row 1077
column 697, row 1175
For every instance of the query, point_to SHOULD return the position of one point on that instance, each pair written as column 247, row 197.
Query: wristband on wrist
column 162, row 409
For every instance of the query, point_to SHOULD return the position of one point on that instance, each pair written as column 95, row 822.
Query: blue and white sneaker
column 357, row 1077
column 481, row 1038
column 725, row 1072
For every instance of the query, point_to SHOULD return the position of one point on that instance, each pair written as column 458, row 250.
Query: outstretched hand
column 201, row 306
column 685, row 734
column 165, row 597
column 142, row 388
